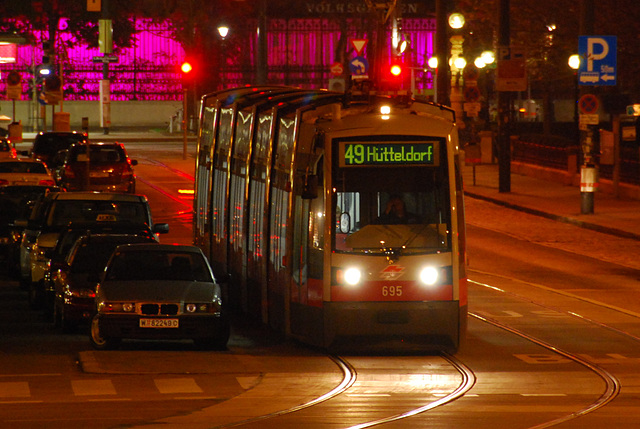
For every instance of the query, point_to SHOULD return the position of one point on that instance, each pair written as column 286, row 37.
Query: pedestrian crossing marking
column 177, row 385
column 92, row 387
column 15, row 389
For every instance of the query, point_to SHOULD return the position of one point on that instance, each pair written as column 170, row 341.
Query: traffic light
column 395, row 76
column 396, row 70
column 186, row 68
column 187, row 71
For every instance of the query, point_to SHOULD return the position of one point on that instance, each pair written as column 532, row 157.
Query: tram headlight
column 429, row 276
column 352, row 276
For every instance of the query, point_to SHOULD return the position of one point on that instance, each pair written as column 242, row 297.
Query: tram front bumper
column 435, row 325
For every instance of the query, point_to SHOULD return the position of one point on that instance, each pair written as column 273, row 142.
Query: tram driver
column 396, row 212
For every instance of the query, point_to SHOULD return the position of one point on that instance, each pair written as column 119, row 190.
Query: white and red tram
column 291, row 199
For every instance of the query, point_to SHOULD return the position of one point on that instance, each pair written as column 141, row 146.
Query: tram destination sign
column 353, row 154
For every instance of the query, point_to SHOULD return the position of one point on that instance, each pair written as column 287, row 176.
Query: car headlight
column 116, row 307
column 429, row 276
column 203, row 307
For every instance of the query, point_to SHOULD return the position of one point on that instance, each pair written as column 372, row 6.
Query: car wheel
column 99, row 342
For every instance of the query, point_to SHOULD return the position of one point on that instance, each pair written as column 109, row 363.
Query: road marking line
column 92, row 387
column 15, row 389
column 177, row 385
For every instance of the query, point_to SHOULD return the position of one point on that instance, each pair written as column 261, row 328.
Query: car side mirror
column 134, row 162
column 161, row 228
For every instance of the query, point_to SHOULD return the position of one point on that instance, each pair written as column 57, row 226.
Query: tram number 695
column 391, row 290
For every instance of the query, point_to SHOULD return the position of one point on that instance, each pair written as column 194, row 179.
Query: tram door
column 220, row 189
column 257, row 219
column 307, row 265
column 202, row 200
column 278, row 267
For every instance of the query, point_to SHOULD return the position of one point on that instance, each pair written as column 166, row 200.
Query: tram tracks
column 612, row 384
column 347, row 386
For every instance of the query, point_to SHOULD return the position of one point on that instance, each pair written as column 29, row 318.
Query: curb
column 569, row 220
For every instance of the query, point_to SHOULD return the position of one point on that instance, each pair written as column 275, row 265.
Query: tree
column 194, row 25
column 549, row 30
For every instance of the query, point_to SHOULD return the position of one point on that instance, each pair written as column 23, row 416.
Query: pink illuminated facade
column 300, row 53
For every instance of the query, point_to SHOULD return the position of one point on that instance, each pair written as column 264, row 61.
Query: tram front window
column 375, row 215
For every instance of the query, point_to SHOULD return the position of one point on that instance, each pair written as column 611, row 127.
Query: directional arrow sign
column 358, row 66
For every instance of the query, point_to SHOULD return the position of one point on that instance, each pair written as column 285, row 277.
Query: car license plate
column 158, row 323
column 99, row 174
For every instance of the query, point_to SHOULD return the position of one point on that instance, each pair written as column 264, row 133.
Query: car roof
column 119, row 225
column 95, row 196
column 61, row 133
column 23, row 160
column 159, row 248
column 143, row 239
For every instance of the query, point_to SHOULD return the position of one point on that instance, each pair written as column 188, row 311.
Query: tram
column 339, row 222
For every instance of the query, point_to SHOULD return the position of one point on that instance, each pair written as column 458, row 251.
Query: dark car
column 75, row 277
column 16, row 202
column 158, row 291
column 108, row 166
column 47, row 144
column 53, row 213
column 66, row 240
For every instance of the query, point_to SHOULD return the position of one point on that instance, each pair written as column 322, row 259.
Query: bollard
column 588, row 187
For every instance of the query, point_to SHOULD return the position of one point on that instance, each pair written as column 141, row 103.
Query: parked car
column 158, row 291
column 55, row 211
column 16, row 202
column 47, row 144
column 75, row 277
column 109, row 167
column 68, row 237
column 25, row 172
column 7, row 150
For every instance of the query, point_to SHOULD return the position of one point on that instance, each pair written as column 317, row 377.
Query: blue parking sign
column 597, row 60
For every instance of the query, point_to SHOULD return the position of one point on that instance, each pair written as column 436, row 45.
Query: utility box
column 486, row 146
column 61, row 121
column 15, row 131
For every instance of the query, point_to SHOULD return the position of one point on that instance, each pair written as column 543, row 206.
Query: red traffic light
column 186, row 67
column 396, row 69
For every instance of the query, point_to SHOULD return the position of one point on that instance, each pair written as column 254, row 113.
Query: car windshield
column 392, row 208
column 66, row 211
column 50, row 144
column 158, row 265
column 23, row 167
column 92, row 256
column 98, row 154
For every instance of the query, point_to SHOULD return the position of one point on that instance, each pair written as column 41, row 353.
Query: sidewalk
column 615, row 216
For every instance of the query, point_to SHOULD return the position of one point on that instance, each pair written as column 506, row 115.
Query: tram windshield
column 401, row 209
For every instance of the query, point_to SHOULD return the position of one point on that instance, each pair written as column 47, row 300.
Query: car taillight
column 4, row 182
column 47, row 182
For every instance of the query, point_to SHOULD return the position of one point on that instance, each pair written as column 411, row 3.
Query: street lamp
column 574, row 63
column 223, row 31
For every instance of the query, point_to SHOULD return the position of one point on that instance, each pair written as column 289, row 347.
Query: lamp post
column 223, row 31
column 456, row 62
column 574, row 63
